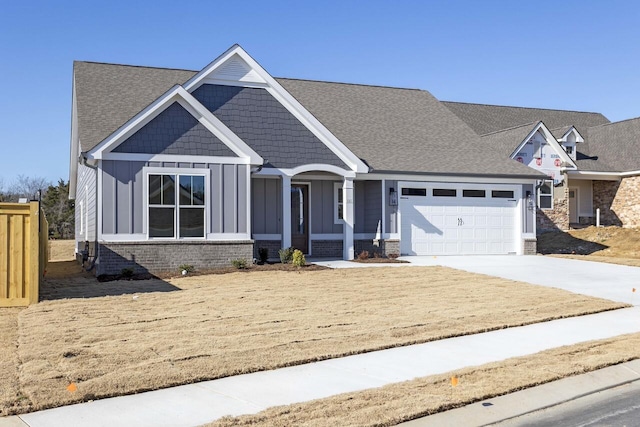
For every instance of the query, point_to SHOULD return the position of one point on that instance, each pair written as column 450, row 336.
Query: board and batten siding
column 266, row 201
column 322, row 207
column 368, row 207
column 123, row 198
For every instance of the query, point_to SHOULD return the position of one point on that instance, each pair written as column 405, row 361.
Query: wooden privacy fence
column 24, row 252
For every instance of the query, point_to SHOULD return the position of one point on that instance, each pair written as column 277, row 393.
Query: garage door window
column 445, row 192
column 502, row 194
column 414, row 192
column 474, row 193
column 545, row 195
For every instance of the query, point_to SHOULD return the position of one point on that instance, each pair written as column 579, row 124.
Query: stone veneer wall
column 604, row 193
column 619, row 202
column 383, row 247
column 555, row 219
column 158, row 257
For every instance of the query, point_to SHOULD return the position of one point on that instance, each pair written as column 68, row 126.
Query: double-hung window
column 545, row 195
column 176, row 205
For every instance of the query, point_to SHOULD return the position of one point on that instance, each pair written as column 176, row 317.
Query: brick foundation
column 326, row 248
column 158, row 257
column 272, row 245
column 382, row 247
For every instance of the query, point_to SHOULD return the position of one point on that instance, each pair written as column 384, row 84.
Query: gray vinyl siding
column 175, row 131
column 123, row 198
column 266, row 126
column 322, row 207
column 368, row 207
column 266, row 206
column 86, row 193
column 391, row 212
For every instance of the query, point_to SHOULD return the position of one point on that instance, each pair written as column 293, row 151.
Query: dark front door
column 300, row 217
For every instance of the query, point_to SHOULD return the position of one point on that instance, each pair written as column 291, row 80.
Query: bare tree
column 28, row 187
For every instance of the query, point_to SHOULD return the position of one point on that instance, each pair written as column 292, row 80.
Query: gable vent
column 235, row 69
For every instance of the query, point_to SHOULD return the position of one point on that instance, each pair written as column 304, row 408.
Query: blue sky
column 578, row 55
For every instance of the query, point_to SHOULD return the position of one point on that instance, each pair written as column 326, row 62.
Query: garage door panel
column 448, row 226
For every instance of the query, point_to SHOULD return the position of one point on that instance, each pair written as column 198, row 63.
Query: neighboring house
column 172, row 167
column 593, row 165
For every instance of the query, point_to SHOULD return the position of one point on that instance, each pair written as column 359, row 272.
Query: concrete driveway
column 610, row 281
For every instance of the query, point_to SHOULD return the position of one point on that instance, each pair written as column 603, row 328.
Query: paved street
column 618, row 406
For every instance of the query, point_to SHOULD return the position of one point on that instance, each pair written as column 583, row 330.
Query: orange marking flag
column 72, row 387
column 454, row 381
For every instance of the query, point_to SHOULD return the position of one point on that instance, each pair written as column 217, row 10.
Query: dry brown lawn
column 128, row 336
column 395, row 403
column 615, row 245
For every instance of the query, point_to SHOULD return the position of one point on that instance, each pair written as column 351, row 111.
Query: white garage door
column 441, row 220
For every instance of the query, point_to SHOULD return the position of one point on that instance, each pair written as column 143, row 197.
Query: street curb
column 533, row 399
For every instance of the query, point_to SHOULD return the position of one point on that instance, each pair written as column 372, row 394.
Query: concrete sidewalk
column 195, row 404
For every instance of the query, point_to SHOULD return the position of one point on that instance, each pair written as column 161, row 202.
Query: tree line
column 55, row 202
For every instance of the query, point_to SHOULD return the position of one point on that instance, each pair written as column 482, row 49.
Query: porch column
column 348, row 216
column 286, row 211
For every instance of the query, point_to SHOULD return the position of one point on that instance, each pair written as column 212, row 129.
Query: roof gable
column 175, row 131
column 176, row 95
column 541, row 151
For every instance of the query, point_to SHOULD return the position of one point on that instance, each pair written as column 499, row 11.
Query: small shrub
column 263, row 254
column 393, row 256
column 126, row 272
column 363, row 255
column 377, row 255
column 298, row 259
column 239, row 263
column 187, row 267
column 286, row 255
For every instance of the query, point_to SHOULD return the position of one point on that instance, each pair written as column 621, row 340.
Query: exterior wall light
column 393, row 197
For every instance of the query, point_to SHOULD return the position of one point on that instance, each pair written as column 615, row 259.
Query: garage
column 458, row 219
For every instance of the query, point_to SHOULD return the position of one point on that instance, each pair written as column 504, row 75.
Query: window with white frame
column 176, row 205
column 545, row 194
column 338, row 203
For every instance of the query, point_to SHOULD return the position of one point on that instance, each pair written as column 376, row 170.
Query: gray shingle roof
column 484, row 119
column 615, row 145
column 391, row 129
column 403, row 130
column 108, row 95
column 506, row 141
